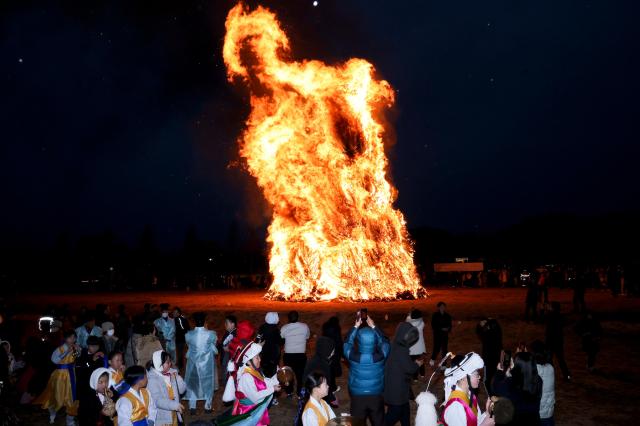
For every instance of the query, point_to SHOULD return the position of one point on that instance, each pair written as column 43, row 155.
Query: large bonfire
column 315, row 143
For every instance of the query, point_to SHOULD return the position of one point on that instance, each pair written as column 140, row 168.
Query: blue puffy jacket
column 366, row 360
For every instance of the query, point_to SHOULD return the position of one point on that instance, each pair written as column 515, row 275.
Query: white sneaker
column 431, row 362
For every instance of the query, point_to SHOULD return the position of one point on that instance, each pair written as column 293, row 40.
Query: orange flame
column 315, row 146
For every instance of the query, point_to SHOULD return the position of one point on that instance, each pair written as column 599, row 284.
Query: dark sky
column 118, row 114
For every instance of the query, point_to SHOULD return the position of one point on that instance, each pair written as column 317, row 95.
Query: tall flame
column 314, row 142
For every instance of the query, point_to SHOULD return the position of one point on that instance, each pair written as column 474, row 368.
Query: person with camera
column 517, row 379
column 367, row 349
column 461, row 382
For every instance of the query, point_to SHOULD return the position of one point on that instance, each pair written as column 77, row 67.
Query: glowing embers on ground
column 314, row 142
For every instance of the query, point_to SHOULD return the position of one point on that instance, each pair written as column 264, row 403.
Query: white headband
column 253, row 350
column 157, row 360
column 467, row 366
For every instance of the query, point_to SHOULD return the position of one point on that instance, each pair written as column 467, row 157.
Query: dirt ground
column 605, row 397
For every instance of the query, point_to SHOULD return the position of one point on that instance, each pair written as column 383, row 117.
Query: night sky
column 118, row 114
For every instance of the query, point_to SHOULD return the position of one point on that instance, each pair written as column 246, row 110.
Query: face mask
column 111, row 332
column 165, row 315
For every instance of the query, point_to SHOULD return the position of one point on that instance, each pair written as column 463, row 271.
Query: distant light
column 210, row 259
column 315, row 3
column 20, row 59
column 44, row 319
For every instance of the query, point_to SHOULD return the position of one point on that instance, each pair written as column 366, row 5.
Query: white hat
column 251, row 351
column 272, row 318
column 470, row 363
column 95, row 376
column 157, row 360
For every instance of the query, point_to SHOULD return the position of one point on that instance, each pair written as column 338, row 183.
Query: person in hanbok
column 116, row 374
column 461, row 382
column 136, row 407
column 254, row 392
column 200, row 374
column 165, row 386
column 87, row 329
column 316, row 411
column 166, row 327
column 61, row 388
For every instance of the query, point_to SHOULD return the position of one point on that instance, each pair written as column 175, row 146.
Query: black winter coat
column 270, row 335
column 320, row 361
column 400, row 368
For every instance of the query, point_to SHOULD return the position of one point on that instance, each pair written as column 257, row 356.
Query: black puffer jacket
column 270, row 335
column 320, row 361
column 400, row 368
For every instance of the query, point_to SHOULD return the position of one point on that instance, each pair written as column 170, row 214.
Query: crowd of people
column 140, row 370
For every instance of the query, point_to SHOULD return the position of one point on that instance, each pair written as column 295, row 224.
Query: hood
column 245, row 330
column 272, row 318
column 367, row 340
column 95, row 376
column 406, row 335
column 324, row 347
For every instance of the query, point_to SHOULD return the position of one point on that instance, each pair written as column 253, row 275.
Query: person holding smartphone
column 367, row 349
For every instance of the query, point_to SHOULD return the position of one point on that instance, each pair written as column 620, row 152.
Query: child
column 136, row 407
column 116, row 374
column 253, row 391
column 316, row 411
column 165, row 386
column 61, row 388
column 97, row 408
column 460, row 392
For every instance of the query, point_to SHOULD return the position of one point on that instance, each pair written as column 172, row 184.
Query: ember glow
column 314, row 140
